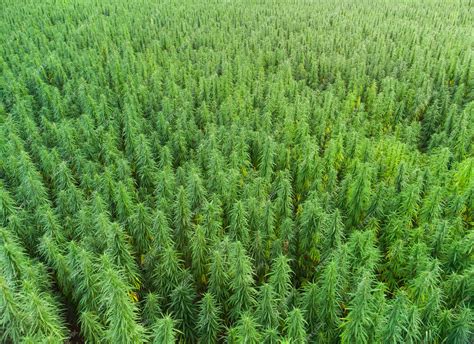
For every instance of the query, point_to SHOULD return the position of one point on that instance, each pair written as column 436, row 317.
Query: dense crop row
column 239, row 172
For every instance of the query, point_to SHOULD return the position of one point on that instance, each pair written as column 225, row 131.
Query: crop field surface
column 236, row 171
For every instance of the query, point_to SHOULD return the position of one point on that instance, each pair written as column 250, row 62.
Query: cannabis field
column 236, row 171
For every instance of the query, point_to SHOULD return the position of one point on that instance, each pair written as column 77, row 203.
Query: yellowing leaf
column 133, row 296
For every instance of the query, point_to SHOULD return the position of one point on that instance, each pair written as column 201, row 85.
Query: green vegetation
column 236, row 172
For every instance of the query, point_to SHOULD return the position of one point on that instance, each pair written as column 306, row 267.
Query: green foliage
column 209, row 319
column 247, row 330
column 199, row 255
column 239, row 223
column 239, row 172
column 271, row 336
column 91, row 328
column 11, row 323
column 151, row 308
column 401, row 322
column 183, row 308
column 322, row 302
column 164, row 331
column 242, row 296
column 280, row 280
column 121, row 312
column 360, row 324
column 358, row 194
column 167, row 272
column 295, row 327
column 267, row 313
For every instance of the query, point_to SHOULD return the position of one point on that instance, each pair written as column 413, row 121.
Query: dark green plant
column 164, row 331
column 241, row 282
column 247, row 330
column 280, row 281
column 183, row 308
column 295, row 326
column 267, row 313
column 209, row 321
